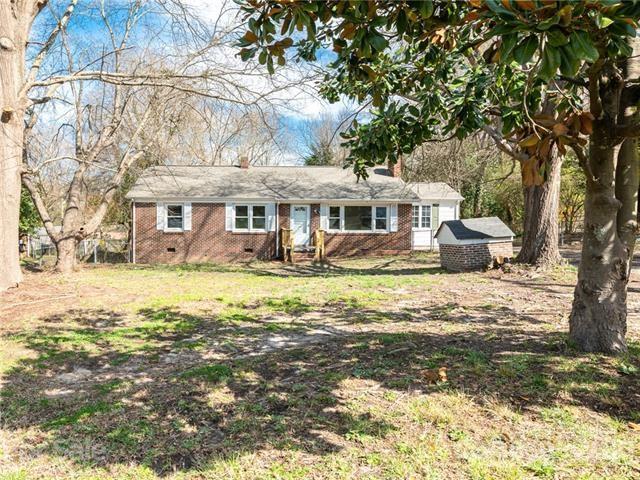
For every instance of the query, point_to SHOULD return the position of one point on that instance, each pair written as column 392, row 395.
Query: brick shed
column 474, row 243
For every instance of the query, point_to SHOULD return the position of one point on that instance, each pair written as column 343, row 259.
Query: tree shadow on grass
column 176, row 391
column 332, row 269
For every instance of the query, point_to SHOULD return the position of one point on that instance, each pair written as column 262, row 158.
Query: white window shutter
column 187, row 216
column 160, row 216
column 271, row 217
column 393, row 218
column 324, row 216
column 435, row 216
column 228, row 217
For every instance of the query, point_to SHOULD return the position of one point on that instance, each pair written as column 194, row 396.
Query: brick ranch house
column 208, row 213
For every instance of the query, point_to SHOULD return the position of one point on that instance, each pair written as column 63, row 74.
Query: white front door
column 300, row 224
column 421, row 231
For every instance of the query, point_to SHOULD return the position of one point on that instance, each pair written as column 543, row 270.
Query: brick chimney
column 395, row 169
column 244, row 162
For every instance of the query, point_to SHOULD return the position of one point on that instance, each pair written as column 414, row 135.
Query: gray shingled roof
column 477, row 228
column 435, row 191
column 272, row 183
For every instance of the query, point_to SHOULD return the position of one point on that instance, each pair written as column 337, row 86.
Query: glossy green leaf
column 524, row 51
column 602, row 21
column 426, row 8
column 508, row 44
column 378, row 42
column 548, row 23
column 550, row 63
column 556, row 37
column 569, row 61
column 583, row 46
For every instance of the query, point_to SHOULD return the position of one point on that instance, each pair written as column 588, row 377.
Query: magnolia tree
column 540, row 77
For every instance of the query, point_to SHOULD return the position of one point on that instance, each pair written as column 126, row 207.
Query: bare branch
column 39, row 58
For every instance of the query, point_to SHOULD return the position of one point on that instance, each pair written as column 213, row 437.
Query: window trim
column 373, row 219
column 340, row 218
column 249, row 218
column 166, row 217
column 420, row 207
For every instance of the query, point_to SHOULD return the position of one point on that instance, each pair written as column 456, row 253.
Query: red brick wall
column 209, row 241
column 206, row 241
column 460, row 258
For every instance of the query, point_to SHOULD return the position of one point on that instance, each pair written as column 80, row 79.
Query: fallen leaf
column 634, row 426
column 435, row 375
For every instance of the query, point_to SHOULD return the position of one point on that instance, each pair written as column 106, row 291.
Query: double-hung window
column 358, row 218
column 416, row 216
column 421, row 216
column 250, row 218
column 174, row 217
column 381, row 218
column 335, row 218
column 258, row 217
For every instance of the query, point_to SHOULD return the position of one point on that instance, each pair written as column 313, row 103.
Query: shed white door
column 421, row 239
column 300, row 224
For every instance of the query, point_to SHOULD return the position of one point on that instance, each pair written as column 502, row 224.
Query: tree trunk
column 540, row 233
column 66, row 255
column 598, row 320
column 12, row 52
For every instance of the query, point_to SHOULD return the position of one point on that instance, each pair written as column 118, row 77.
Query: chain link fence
column 92, row 250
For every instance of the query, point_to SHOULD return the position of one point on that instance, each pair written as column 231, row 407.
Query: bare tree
column 321, row 143
column 211, row 133
column 458, row 163
column 106, row 140
column 70, row 70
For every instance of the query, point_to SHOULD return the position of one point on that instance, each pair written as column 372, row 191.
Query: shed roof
column 435, row 191
column 271, row 183
column 477, row 228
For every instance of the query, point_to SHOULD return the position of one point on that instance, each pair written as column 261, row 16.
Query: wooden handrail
column 320, row 247
column 287, row 244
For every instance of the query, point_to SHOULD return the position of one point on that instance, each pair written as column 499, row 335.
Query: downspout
column 133, row 231
column 277, row 230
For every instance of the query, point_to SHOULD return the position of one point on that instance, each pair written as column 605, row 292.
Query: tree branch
column 628, row 130
column 39, row 58
column 40, row 206
column 502, row 145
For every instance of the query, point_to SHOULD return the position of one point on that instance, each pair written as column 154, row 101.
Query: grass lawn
column 369, row 368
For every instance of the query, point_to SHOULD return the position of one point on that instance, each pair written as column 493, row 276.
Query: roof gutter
column 274, row 200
